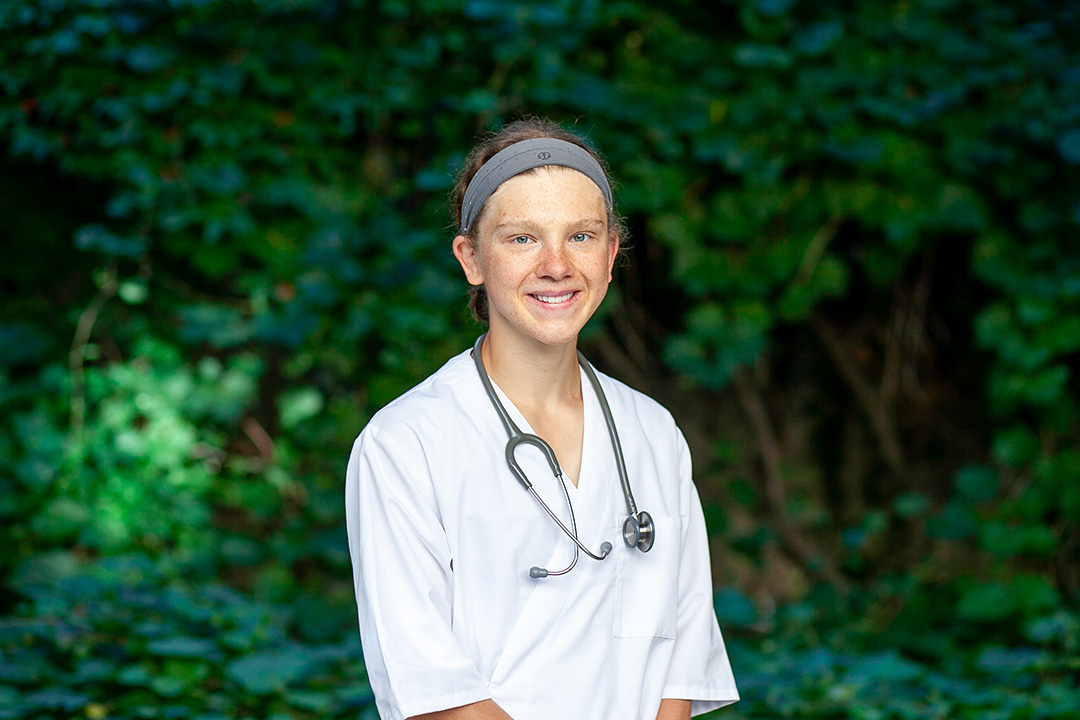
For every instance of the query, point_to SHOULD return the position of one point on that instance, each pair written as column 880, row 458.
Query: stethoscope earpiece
column 639, row 531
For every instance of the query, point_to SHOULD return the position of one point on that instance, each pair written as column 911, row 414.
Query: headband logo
column 545, row 155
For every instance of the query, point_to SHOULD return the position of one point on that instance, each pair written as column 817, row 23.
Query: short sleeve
column 403, row 579
column 700, row 670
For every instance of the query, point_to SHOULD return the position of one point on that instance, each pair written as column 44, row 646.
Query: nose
column 554, row 262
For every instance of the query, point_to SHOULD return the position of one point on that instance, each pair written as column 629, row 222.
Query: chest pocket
column 647, row 584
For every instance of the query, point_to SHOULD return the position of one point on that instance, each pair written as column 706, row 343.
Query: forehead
column 551, row 190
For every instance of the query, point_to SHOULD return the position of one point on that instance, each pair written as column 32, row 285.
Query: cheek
column 500, row 269
column 600, row 266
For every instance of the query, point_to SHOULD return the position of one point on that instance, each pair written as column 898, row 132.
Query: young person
column 500, row 575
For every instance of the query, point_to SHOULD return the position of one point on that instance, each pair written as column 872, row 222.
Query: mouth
column 550, row 299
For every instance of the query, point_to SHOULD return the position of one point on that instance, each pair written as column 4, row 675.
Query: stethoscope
column 638, row 528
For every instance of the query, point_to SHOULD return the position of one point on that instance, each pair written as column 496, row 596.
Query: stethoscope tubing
column 620, row 464
column 517, row 438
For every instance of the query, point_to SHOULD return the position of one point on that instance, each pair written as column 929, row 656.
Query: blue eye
column 580, row 237
column 521, row 239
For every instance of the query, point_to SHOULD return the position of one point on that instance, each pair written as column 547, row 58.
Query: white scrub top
column 442, row 537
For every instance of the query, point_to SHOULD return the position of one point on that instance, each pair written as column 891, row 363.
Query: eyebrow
column 585, row 223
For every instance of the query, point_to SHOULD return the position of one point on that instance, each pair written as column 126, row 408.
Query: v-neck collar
column 598, row 492
column 590, row 407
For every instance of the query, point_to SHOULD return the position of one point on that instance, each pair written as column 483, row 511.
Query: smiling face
column 544, row 253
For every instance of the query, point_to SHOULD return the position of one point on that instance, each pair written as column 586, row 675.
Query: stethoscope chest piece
column 639, row 531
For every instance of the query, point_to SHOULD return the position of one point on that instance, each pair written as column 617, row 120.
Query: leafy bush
column 830, row 660
column 121, row 638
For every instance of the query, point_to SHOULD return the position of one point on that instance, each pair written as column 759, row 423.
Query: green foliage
column 122, row 639
column 145, row 470
column 822, row 659
column 828, row 682
column 143, row 474
column 853, row 223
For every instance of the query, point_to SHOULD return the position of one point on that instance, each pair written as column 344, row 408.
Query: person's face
column 544, row 253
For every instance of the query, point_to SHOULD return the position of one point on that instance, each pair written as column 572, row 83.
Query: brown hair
column 514, row 132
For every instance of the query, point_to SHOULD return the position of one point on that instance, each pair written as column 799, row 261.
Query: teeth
column 552, row 299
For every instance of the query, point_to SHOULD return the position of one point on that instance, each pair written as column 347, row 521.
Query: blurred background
column 854, row 277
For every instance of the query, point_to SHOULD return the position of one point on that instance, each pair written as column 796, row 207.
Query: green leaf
column 911, row 504
column 56, row 699
column 1007, row 539
column 169, row 687
column 1069, row 146
column 311, row 700
column 299, row 405
column 183, row 647
column 955, row 522
column 990, row 602
column 1025, row 595
column 10, row 698
column 762, row 56
column 267, row 672
column 733, row 608
column 1016, row 446
column 97, row 237
column 1061, row 627
column 132, row 291
column 63, row 519
column 885, row 667
column 976, row 483
column 22, row 343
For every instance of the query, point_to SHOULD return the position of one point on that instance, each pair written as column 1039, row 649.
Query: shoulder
column 429, row 409
column 628, row 404
column 656, row 453
column 409, row 439
column 643, row 423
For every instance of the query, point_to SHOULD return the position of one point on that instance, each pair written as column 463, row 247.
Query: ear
column 613, row 252
column 469, row 260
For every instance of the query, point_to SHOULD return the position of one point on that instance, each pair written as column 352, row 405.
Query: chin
column 528, row 327
column 552, row 337
column 556, row 335
column 558, row 340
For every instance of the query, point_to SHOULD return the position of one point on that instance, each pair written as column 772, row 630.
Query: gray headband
column 522, row 156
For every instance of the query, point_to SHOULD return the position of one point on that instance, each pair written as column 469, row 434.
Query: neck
column 533, row 375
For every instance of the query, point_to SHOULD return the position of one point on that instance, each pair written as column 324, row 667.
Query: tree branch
column 77, row 356
column 792, row 543
column 875, row 409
